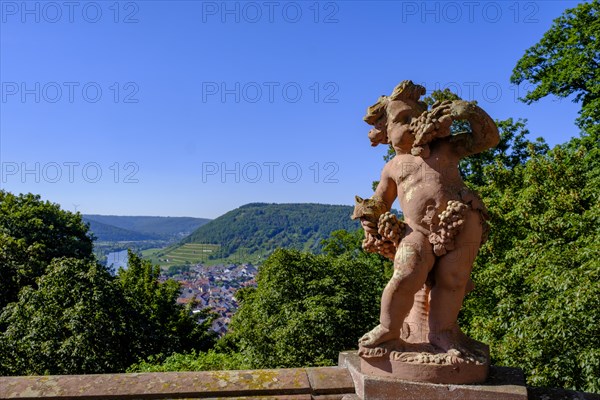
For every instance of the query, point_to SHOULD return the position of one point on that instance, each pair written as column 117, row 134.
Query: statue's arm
column 387, row 190
column 484, row 132
column 380, row 203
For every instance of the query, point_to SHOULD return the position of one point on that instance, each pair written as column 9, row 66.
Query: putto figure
column 434, row 247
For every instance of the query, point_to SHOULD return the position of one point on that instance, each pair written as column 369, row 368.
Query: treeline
column 137, row 228
column 262, row 228
column 110, row 233
column 305, row 310
column 61, row 312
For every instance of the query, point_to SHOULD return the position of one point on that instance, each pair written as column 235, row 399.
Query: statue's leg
column 413, row 261
column 452, row 280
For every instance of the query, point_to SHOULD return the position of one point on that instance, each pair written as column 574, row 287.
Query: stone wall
column 327, row 383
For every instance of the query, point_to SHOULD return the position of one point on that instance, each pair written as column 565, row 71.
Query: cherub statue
column 444, row 224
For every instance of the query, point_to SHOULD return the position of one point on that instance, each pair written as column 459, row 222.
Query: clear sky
column 193, row 108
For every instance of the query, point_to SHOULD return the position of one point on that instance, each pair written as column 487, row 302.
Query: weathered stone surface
column 329, row 383
column 379, row 388
column 329, row 396
column 457, row 374
column 268, row 384
column 503, row 383
column 327, row 380
column 283, row 397
column 351, row 361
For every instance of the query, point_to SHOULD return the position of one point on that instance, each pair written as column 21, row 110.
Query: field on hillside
column 250, row 233
column 194, row 253
column 188, row 254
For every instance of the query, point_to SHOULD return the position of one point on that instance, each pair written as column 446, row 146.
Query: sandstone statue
column 434, row 247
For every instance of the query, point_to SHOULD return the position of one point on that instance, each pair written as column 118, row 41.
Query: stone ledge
column 327, row 383
column 303, row 383
column 503, row 383
column 330, row 381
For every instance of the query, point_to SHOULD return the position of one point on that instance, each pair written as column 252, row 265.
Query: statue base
column 423, row 364
column 501, row 383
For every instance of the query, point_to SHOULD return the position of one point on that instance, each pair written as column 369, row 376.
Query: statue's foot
column 375, row 352
column 377, row 336
column 444, row 342
column 460, row 345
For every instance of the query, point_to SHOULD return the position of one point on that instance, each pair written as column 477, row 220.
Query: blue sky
column 193, row 108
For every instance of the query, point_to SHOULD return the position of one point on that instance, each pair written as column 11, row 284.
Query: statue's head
column 391, row 115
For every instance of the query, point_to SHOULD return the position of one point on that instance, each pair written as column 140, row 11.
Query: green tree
column 514, row 149
column 160, row 326
column 566, row 62
column 194, row 361
column 307, row 308
column 33, row 233
column 80, row 319
column 536, row 299
column 342, row 242
column 72, row 321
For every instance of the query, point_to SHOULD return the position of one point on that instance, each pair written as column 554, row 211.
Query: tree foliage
column 80, row 319
column 210, row 360
column 307, row 308
column 566, row 62
column 537, row 299
column 514, row 149
column 63, row 313
column 72, row 322
column 32, row 233
column 159, row 325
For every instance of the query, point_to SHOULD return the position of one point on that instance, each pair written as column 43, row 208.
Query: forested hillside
column 260, row 227
column 152, row 227
column 110, row 233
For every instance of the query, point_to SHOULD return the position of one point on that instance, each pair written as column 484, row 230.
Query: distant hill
column 110, row 233
column 134, row 228
column 261, row 227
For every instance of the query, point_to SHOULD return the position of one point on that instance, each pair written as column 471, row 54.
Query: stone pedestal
column 421, row 362
column 456, row 374
column 502, row 383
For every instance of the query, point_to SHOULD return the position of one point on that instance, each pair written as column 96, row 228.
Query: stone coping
column 323, row 383
column 303, row 383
